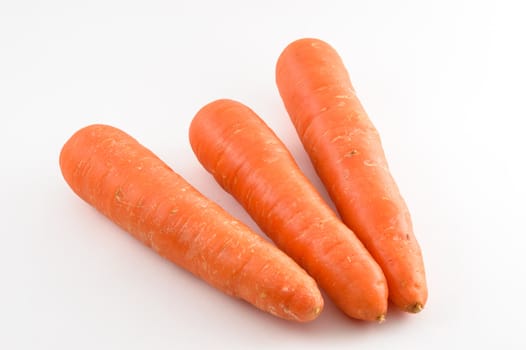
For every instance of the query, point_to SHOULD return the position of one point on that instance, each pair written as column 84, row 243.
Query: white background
column 442, row 81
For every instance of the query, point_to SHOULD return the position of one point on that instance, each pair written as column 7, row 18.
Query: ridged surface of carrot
column 250, row 162
column 346, row 152
column 135, row 189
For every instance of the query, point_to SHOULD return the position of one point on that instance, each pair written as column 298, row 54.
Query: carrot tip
column 381, row 318
column 316, row 311
column 415, row 308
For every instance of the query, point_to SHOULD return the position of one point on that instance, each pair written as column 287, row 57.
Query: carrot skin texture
column 346, row 151
column 135, row 189
column 249, row 161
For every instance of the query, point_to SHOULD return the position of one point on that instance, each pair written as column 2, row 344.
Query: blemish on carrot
column 351, row 154
column 118, row 195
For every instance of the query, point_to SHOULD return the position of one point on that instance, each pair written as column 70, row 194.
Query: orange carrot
column 346, row 151
column 130, row 185
column 250, row 162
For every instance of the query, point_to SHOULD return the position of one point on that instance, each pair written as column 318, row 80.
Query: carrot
column 346, row 152
column 131, row 186
column 250, row 162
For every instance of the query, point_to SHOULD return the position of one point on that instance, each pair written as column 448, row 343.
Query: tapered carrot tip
column 415, row 308
column 315, row 312
column 305, row 306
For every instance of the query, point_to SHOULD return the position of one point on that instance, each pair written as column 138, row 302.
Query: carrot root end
column 415, row 308
column 316, row 312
